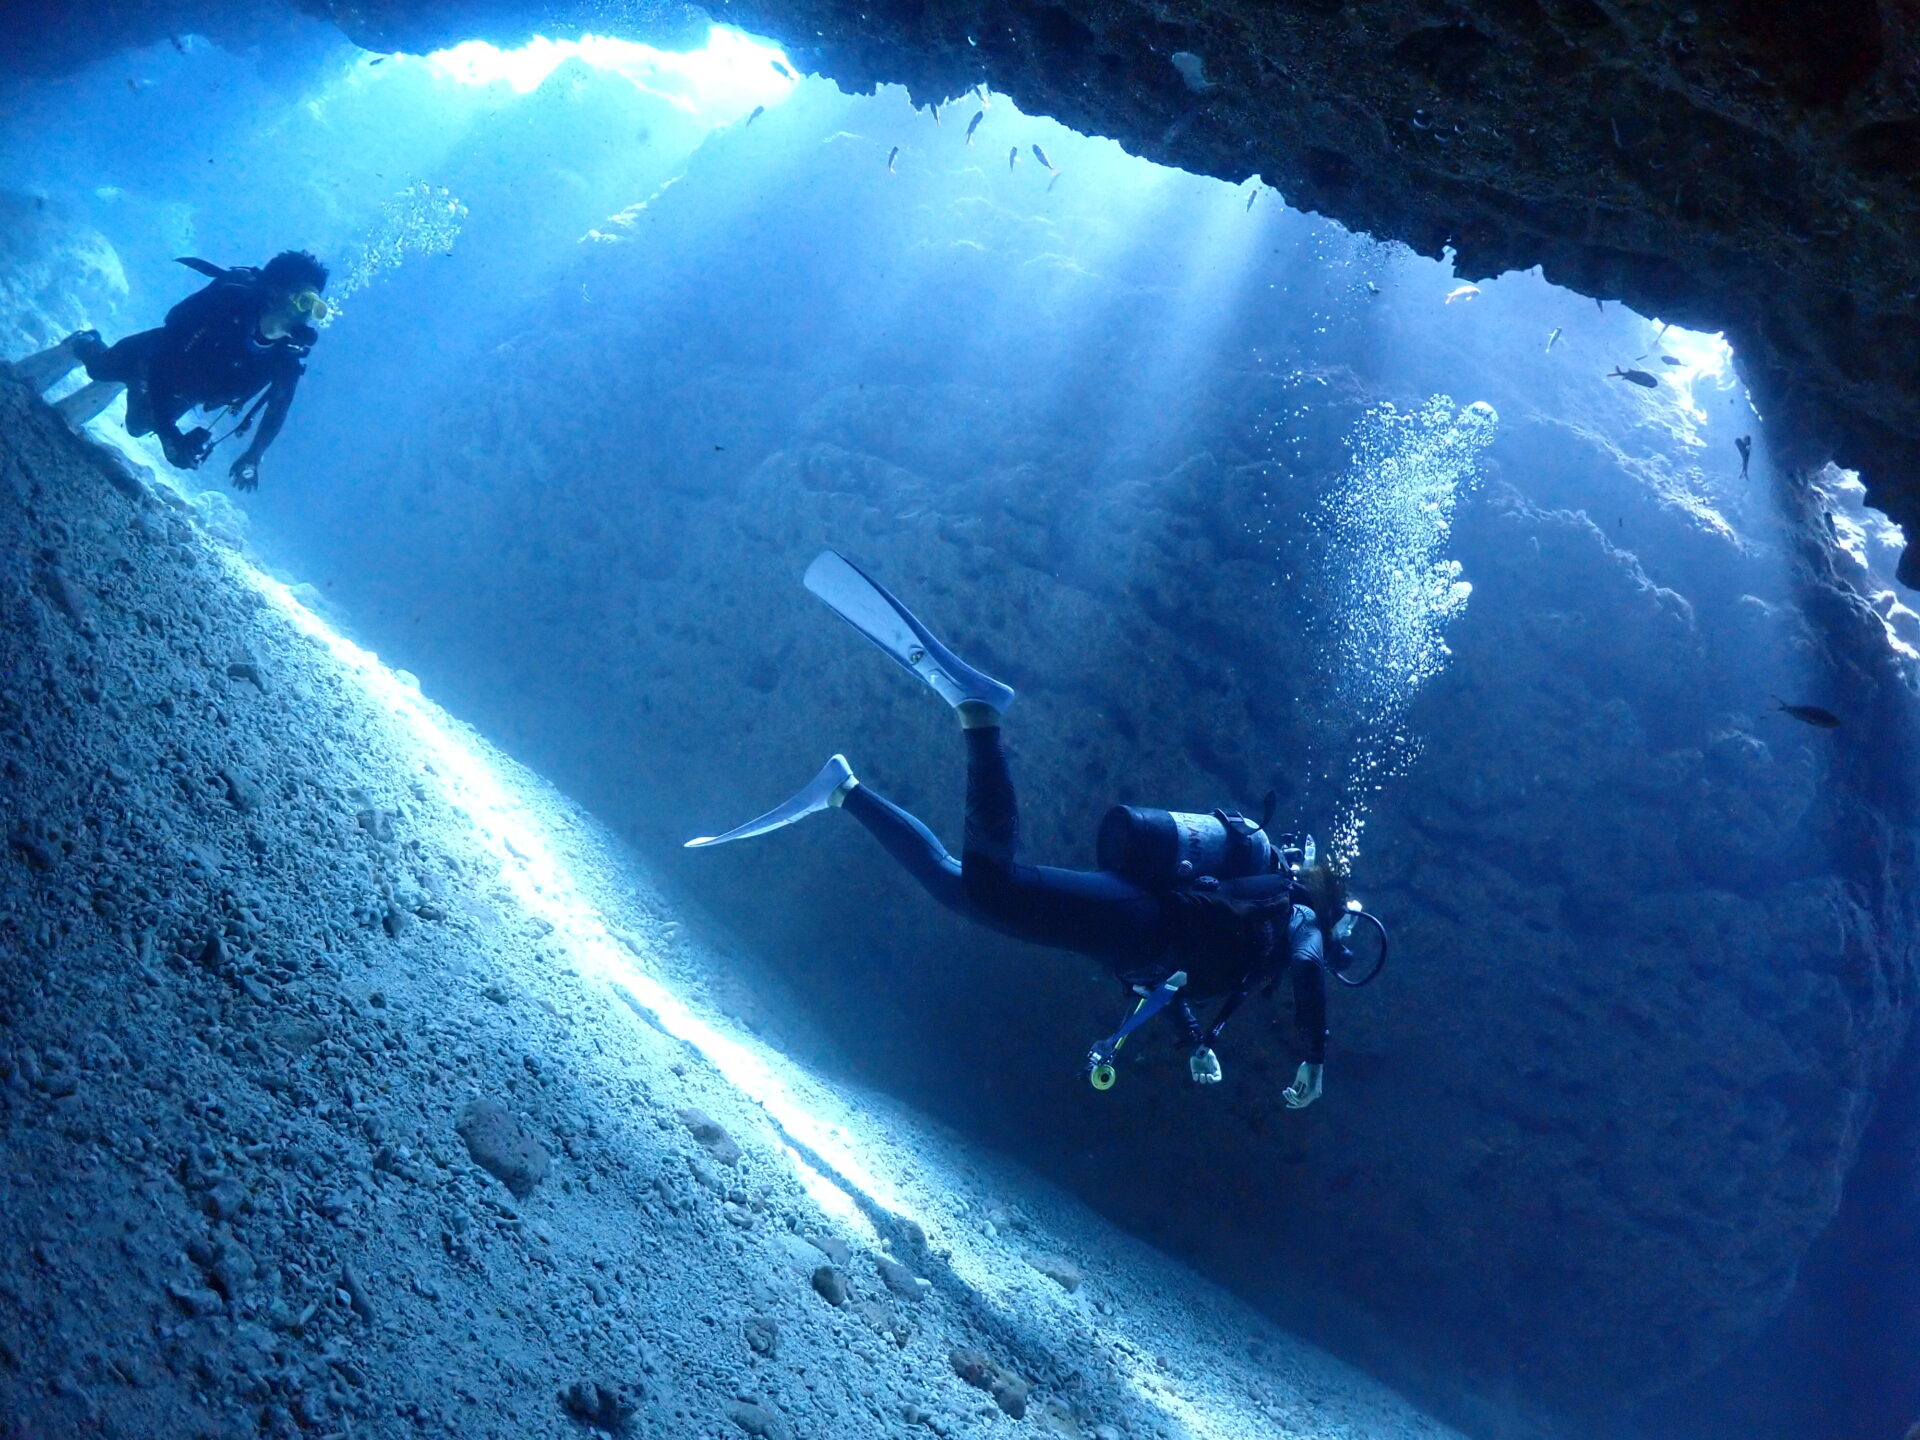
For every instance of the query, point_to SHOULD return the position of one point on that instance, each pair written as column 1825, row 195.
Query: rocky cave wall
column 1657, row 945
column 1748, row 168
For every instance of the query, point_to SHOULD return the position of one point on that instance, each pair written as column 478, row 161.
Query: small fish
column 1663, row 330
column 181, row 46
column 758, row 111
column 1251, row 197
column 1461, row 292
column 1041, row 156
column 981, row 91
column 892, row 155
column 376, row 60
column 936, row 117
column 1600, row 304
column 133, row 85
column 1671, row 360
column 1555, row 335
column 1744, row 444
column 1053, row 182
column 974, row 124
column 1814, row 715
column 1634, row 377
column 1013, row 157
column 782, row 70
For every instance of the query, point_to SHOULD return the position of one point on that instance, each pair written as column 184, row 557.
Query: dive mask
column 309, row 303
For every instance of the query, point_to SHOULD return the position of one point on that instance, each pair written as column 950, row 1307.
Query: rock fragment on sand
column 900, row 1280
column 1057, row 1268
column 983, row 1372
column 712, row 1134
column 831, row 1246
column 502, row 1148
column 762, row 1335
column 604, row 1407
column 243, row 793
column 830, row 1285
column 758, row 1418
column 196, row 1299
column 355, row 1290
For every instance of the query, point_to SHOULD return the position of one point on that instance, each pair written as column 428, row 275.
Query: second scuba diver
column 245, row 334
column 1184, row 907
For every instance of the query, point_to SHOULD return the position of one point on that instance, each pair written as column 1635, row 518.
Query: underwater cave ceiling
column 1751, row 166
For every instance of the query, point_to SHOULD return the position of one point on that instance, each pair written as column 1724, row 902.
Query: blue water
column 1237, row 500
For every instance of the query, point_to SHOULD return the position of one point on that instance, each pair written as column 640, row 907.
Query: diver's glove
column 1305, row 1088
column 1204, row 1066
column 245, row 473
column 185, row 452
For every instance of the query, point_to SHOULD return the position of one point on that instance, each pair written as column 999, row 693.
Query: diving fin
column 815, row 796
column 871, row 609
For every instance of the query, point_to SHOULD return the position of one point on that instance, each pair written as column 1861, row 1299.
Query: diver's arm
column 1309, row 974
column 245, row 472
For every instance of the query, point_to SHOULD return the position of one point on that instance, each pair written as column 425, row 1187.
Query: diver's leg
column 87, row 402
column 917, row 848
column 56, row 362
column 1092, row 912
column 993, row 810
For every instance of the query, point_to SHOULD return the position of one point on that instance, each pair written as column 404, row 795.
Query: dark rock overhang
column 1751, row 166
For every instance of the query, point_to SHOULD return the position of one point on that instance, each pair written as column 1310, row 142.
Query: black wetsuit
column 1141, row 935
column 208, row 353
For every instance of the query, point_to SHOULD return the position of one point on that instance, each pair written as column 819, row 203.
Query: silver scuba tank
column 1161, row 848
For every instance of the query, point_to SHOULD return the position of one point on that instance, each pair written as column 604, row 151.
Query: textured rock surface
column 234, row 1200
column 1747, row 167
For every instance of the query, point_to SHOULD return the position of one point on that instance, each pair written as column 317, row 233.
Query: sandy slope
column 353, row 1084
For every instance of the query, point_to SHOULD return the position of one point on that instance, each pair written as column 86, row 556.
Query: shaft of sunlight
column 542, row 882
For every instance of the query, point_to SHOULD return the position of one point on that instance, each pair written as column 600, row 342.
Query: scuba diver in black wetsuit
column 1185, row 907
column 244, row 334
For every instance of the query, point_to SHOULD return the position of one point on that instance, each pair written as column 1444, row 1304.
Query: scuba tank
column 1160, row 849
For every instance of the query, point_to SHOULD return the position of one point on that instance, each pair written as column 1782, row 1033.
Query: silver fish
column 974, row 124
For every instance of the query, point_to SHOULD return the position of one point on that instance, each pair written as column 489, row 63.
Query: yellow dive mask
column 308, row 302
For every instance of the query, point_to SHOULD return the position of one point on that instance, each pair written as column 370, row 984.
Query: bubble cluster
column 423, row 219
column 1388, row 588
